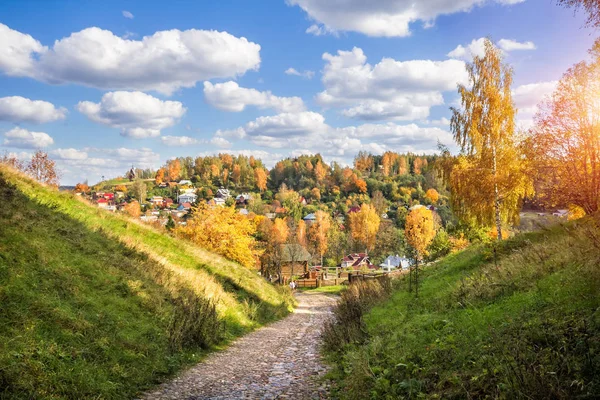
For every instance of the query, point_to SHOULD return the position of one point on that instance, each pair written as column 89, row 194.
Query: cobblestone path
column 280, row 361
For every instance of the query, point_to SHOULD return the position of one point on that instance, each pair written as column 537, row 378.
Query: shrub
column 347, row 325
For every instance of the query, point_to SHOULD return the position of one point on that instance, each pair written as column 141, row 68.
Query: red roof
column 186, row 205
column 109, row 195
column 354, row 209
column 102, row 201
column 168, row 201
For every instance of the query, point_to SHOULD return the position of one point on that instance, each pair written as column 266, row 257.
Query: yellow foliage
column 493, row 233
column 575, row 212
column 419, row 230
column 224, row 231
column 364, row 225
column 432, row 195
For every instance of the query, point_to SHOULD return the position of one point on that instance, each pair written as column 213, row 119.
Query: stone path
column 280, row 361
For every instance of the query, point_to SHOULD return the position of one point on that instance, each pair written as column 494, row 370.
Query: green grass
column 95, row 305
column 526, row 328
column 336, row 289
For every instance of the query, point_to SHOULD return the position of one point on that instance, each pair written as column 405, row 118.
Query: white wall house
column 187, row 198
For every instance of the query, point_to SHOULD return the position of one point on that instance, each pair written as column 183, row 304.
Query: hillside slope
column 95, row 305
column 527, row 326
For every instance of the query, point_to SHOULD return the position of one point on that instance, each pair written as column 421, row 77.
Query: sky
column 102, row 86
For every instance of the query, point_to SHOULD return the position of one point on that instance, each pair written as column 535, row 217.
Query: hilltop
column 97, row 305
column 524, row 326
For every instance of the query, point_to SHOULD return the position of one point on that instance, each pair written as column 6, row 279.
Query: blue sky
column 104, row 85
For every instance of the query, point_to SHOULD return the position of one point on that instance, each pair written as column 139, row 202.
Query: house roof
column 102, row 200
column 185, row 182
column 353, row 209
column 310, row 217
column 186, row 205
column 295, row 251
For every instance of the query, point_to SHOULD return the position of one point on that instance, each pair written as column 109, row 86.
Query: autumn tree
column 260, row 176
column 224, row 231
column 419, row 232
column 489, row 181
column 81, row 188
column 379, row 202
column 138, row 190
column 417, row 165
column 364, row 225
column 160, row 176
column 591, row 7
column 236, row 174
column 133, row 209
column 318, row 232
column 320, row 172
column 174, row 169
column 13, row 161
column 42, row 168
column 432, row 195
column 363, row 161
column 121, row 188
column 565, row 142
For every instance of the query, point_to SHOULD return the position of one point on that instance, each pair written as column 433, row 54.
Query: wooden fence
column 307, row 283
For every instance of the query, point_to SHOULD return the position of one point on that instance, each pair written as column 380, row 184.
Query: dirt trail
column 280, row 361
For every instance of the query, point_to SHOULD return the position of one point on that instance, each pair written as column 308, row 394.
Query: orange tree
column 224, row 231
column 419, row 231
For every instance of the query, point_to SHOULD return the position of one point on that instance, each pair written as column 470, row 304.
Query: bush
column 347, row 325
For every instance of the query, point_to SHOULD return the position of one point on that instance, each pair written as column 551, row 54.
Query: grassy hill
column 95, row 305
column 525, row 327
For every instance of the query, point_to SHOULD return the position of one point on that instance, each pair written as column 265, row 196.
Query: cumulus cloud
column 389, row 90
column 380, row 18
column 20, row 109
column 178, row 141
column 137, row 114
column 165, row 61
column 77, row 165
column 477, row 48
column 24, row 139
column 527, row 97
column 127, row 14
column 69, row 154
column 229, row 96
column 309, row 132
column 304, row 74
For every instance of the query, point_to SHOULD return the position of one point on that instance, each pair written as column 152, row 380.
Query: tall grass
column 526, row 327
column 95, row 305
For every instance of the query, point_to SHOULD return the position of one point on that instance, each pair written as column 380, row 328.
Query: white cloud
column 24, row 139
column 90, row 163
column 380, row 18
column 477, row 48
column 137, row 114
column 165, row 61
column 20, row 109
column 178, row 141
column 309, row 132
column 389, row 90
column 305, row 74
column 68, row 154
column 229, row 96
column 220, row 142
column 127, row 14
column 511, row 45
column 527, row 97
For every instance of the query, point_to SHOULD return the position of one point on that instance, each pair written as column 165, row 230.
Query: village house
column 243, row 199
column 157, row 201
column 217, row 201
column 310, row 218
column 395, row 262
column 167, row 202
column 223, row 193
column 187, row 198
column 294, row 260
column 185, row 182
column 357, row 261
